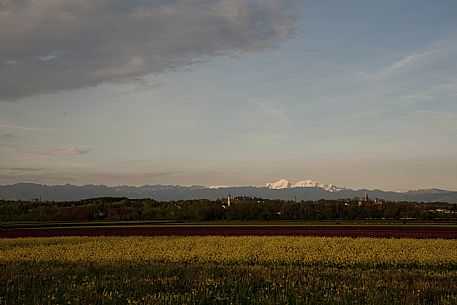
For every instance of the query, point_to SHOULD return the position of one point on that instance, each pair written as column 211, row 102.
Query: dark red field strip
column 386, row 232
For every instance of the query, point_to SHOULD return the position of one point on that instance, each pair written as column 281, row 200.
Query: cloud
column 65, row 152
column 21, row 128
column 54, row 45
column 35, row 178
column 274, row 110
column 141, row 85
column 61, row 176
column 19, row 169
column 438, row 50
column 141, row 175
column 405, row 62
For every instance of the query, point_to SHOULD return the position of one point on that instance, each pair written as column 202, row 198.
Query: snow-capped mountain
column 312, row 183
column 284, row 184
column 215, row 187
column 280, row 184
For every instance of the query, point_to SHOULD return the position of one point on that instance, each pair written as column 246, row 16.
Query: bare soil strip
column 333, row 231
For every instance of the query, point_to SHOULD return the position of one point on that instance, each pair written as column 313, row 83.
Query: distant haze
column 359, row 94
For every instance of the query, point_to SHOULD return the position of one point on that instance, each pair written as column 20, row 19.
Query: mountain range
column 282, row 189
column 283, row 184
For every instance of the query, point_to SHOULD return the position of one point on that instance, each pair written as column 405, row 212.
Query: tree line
column 241, row 208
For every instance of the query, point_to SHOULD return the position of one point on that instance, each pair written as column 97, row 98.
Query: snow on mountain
column 283, row 184
column 312, row 183
column 218, row 187
column 280, row 184
column 308, row 183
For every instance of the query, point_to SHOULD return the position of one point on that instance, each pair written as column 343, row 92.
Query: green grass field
column 211, row 283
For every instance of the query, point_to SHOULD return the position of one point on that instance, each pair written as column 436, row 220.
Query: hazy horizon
column 245, row 92
column 224, row 186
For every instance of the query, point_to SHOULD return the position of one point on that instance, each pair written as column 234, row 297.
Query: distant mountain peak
column 284, row 184
column 215, row 187
column 280, row 184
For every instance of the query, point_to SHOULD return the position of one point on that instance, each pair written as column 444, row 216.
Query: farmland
column 225, row 270
column 124, row 252
column 228, row 229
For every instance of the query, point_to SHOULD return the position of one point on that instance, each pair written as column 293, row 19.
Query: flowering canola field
column 248, row 249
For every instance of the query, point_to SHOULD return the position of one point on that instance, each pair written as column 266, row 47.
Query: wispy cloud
column 64, row 176
column 444, row 88
column 418, row 96
column 19, row 169
column 100, row 41
column 141, row 85
column 274, row 110
column 445, row 120
column 23, row 128
column 150, row 175
column 418, row 58
column 63, row 152
column 67, row 152
column 405, row 62
column 58, row 178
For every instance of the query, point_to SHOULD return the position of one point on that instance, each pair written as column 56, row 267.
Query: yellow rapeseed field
column 229, row 250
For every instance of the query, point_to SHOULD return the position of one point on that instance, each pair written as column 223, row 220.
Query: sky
column 361, row 94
